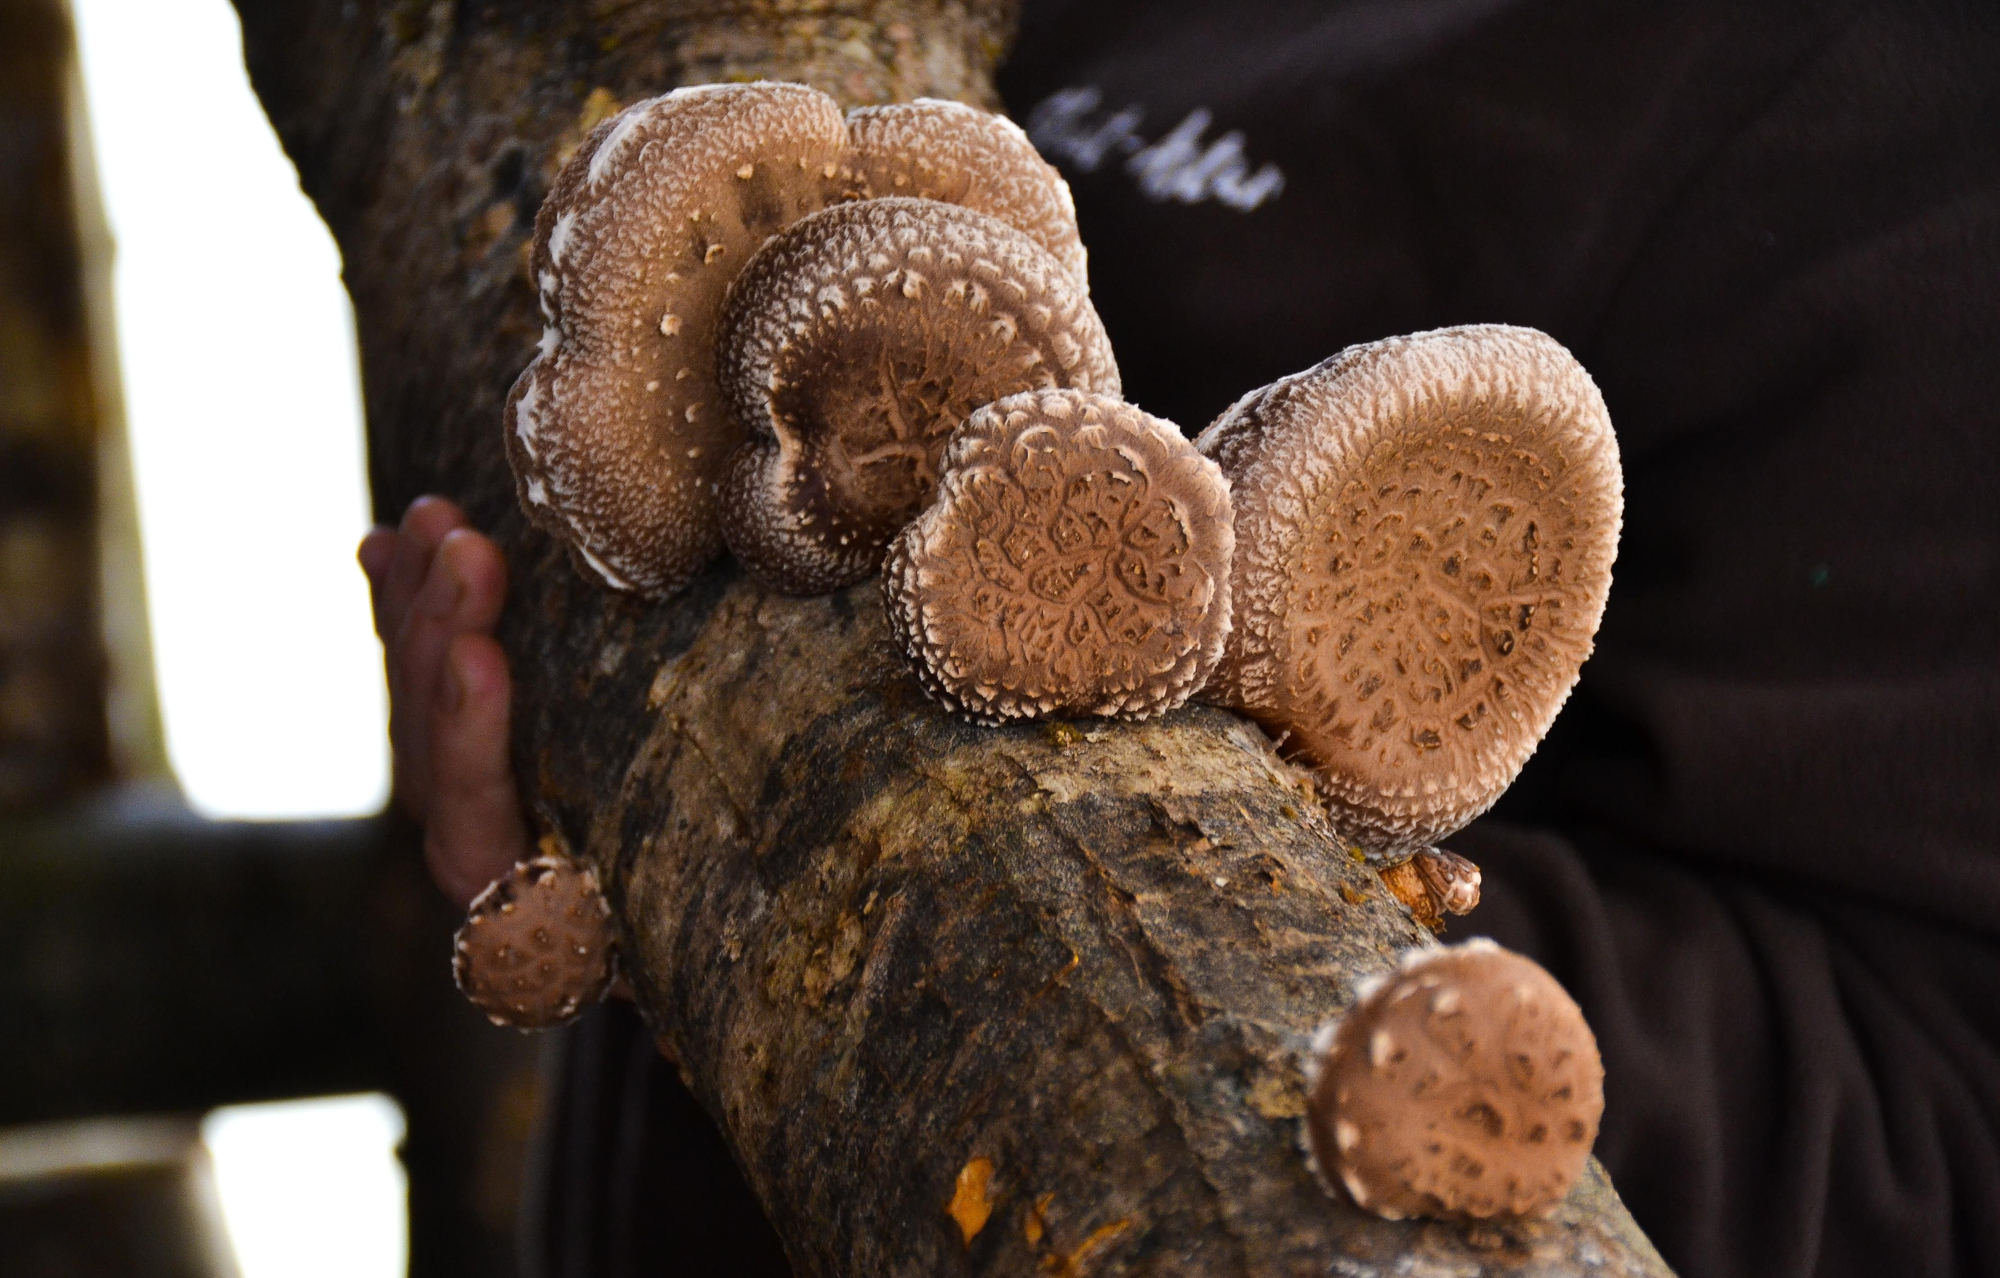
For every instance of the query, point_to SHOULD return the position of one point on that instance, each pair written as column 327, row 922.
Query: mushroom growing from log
column 1076, row 562
column 1465, row 1084
column 1432, row 884
column 536, row 945
column 617, row 431
column 854, row 343
column 1425, row 528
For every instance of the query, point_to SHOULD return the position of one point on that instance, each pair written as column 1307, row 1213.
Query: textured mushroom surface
column 1076, row 562
column 855, row 343
column 1465, row 1085
column 535, row 948
column 617, row 431
column 938, row 150
column 1425, row 530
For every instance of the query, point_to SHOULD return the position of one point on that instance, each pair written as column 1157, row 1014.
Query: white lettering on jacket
column 1176, row 167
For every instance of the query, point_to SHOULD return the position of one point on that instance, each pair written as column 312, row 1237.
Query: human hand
column 437, row 585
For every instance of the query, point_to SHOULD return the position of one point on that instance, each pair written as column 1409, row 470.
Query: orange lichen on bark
column 971, row 1201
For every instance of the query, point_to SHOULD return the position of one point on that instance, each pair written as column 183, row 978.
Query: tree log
column 963, row 1000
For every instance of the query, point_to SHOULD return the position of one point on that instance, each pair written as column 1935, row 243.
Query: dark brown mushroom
column 617, row 432
column 854, row 344
column 1425, row 528
column 1465, row 1085
column 536, row 945
column 1076, row 562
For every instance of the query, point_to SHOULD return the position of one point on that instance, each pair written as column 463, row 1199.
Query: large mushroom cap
column 1425, row 528
column 1076, row 562
column 855, row 342
column 939, row 150
column 535, row 948
column 1467, row 1085
column 617, row 431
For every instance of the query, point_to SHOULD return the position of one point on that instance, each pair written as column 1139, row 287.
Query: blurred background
column 229, row 1043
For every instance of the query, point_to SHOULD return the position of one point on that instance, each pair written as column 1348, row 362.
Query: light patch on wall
column 312, row 1188
column 243, row 403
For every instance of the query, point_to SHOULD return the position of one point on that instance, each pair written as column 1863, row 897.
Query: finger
column 425, row 524
column 442, row 607
column 374, row 553
column 464, row 591
column 475, row 832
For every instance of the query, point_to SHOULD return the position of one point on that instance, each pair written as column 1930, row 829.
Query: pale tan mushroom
column 536, row 946
column 617, row 431
column 1425, row 528
column 854, row 344
column 1465, row 1085
column 1076, row 562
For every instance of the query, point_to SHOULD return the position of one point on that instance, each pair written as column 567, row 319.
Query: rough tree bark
column 963, row 1000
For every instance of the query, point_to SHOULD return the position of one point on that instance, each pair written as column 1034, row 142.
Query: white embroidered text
column 1176, row 167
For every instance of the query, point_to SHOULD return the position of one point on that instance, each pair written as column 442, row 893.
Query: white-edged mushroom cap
column 939, row 150
column 855, row 342
column 536, row 945
column 1076, row 562
column 1425, row 528
column 617, row 431
column 1466, row 1085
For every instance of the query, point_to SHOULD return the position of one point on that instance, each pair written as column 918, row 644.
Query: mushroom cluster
column 839, row 345
column 843, row 344
column 866, row 332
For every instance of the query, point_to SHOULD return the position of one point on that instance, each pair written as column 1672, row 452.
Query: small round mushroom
column 1432, row 884
column 854, row 344
column 617, row 431
column 1465, row 1086
column 1076, row 562
column 536, row 945
column 939, row 150
column 1425, row 529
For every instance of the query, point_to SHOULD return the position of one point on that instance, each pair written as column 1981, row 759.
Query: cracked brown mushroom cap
column 1466, row 1085
column 854, row 344
column 1425, row 529
column 939, row 150
column 1076, row 562
column 617, row 431
column 536, row 945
